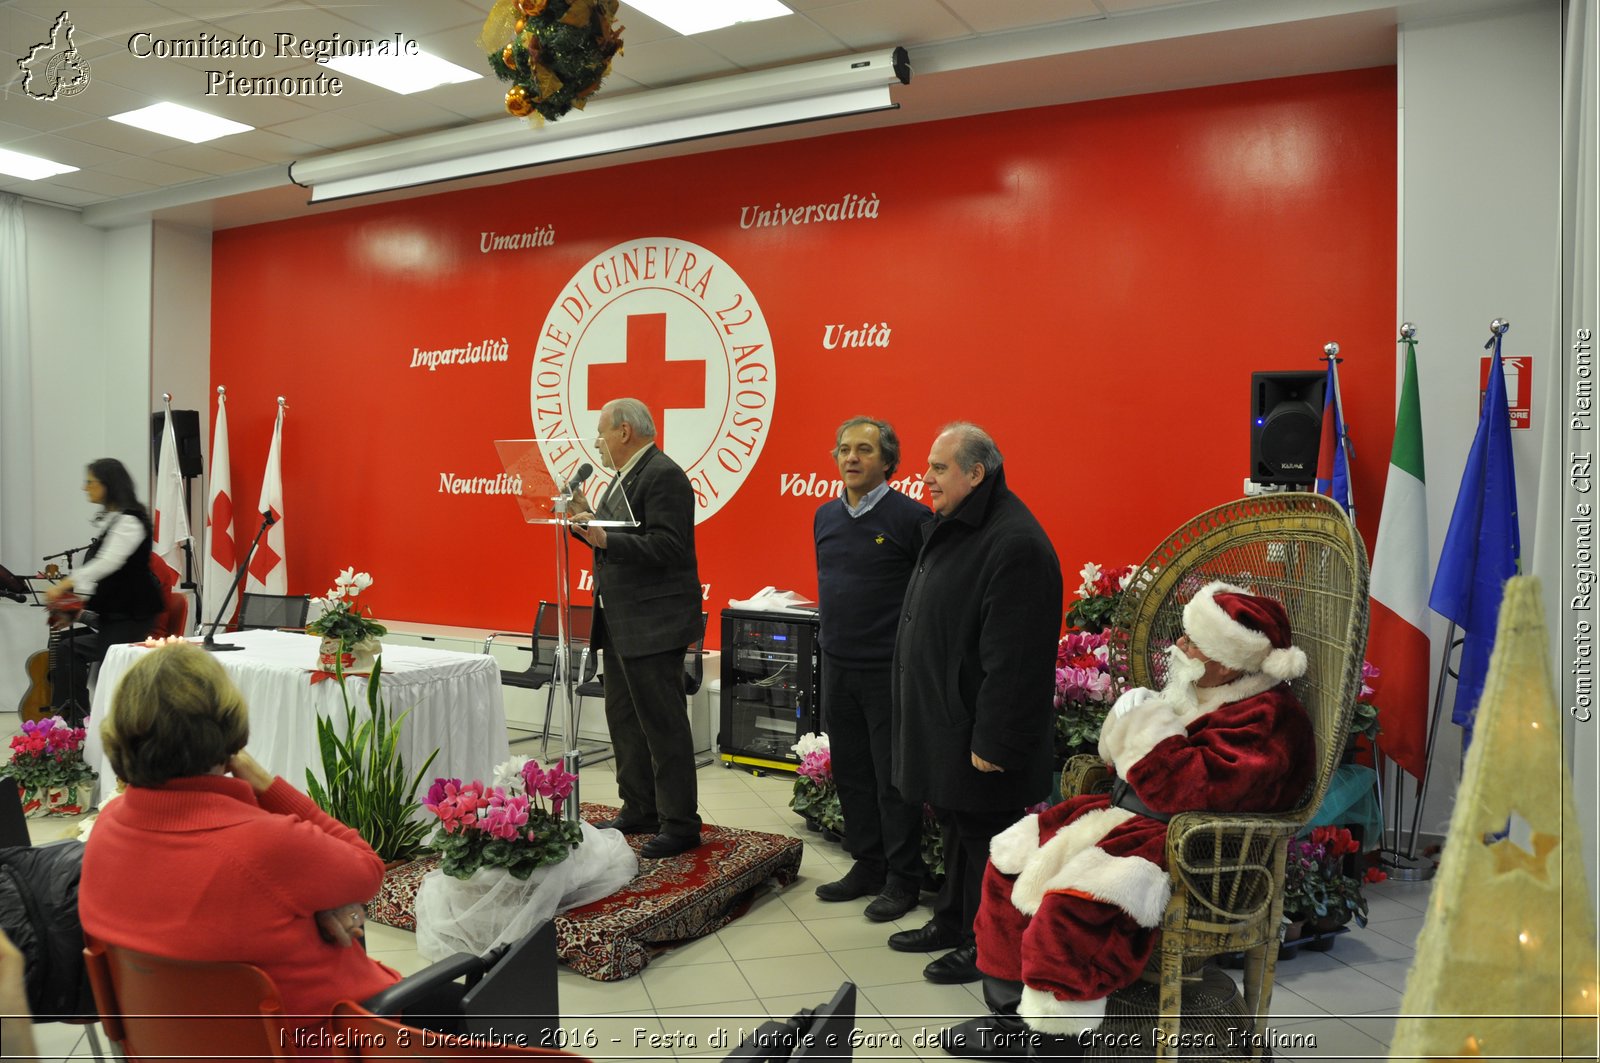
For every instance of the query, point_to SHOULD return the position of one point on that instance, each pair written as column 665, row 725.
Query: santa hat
column 1243, row 631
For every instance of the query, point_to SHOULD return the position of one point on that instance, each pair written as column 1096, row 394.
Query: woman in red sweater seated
column 208, row 857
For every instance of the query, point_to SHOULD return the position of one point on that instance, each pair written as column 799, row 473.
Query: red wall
column 1094, row 283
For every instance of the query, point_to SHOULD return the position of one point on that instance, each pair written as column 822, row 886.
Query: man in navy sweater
column 867, row 543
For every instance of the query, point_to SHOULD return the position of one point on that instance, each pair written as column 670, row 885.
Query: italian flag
column 1398, row 644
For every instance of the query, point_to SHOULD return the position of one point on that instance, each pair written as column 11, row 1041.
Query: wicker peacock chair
column 1227, row 870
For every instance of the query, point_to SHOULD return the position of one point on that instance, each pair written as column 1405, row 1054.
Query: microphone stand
column 210, row 642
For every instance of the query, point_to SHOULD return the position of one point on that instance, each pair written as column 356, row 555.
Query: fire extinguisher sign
column 1519, row 388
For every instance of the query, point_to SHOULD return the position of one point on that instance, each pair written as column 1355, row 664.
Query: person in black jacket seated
column 121, row 596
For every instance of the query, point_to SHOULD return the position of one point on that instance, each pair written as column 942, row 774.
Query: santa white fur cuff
column 1040, row 1009
column 1010, row 849
column 1043, row 869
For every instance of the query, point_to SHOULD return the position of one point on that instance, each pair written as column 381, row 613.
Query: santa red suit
column 1073, row 896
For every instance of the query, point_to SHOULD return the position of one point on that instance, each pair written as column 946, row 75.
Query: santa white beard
column 1183, row 672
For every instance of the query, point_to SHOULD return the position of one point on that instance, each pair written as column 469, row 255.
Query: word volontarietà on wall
column 146, row 45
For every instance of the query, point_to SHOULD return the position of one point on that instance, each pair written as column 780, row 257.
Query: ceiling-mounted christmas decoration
column 555, row 53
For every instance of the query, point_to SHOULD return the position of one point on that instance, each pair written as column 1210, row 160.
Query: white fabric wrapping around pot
column 492, row 908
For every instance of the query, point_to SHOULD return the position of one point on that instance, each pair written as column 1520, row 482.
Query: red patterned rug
column 670, row 901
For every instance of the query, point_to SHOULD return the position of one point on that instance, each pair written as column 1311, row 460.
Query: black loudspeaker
column 1286, row 425
column 186, row 427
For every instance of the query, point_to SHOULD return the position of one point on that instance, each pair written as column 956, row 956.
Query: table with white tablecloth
column 455, row 701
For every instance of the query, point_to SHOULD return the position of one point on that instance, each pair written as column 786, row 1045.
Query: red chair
column 159, row 1008
column 174, row 616
column 359, row 1034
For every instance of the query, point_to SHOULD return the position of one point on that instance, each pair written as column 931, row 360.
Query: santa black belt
column 1122, row 796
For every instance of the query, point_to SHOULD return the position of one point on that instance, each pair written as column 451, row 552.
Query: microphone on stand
column 584, row 472
column 68, row 553
column 210, row 642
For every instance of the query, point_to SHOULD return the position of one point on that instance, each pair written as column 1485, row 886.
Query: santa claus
column 1073, row 896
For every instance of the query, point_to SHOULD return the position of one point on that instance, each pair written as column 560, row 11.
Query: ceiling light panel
column 30, row 167
column 181, row 123
column 701, row 16
column 404, row 74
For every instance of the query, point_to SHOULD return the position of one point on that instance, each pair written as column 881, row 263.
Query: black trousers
column 882, row 830
column 966, row 837
column 647, row 713
column 69, row 676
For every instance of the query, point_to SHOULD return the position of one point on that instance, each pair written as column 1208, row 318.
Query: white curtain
column 16, row 392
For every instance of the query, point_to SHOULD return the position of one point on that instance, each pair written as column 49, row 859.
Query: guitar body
column 37, row 700
column 35, row 704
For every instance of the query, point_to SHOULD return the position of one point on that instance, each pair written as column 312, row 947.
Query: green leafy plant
column 1315, row 886
column 368, row 788
column 49, row 752
column 514, row 823
column 341, row 617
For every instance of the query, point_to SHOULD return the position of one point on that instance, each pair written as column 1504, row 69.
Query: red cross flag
column 269, row 568
column 172, row 522
column 221, row 560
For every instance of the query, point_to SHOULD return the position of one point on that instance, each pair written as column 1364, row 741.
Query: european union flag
column 1333, row 459
column 1483, row 547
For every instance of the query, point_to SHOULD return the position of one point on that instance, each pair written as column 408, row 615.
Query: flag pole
column 1406, row 867
column 1330, row 354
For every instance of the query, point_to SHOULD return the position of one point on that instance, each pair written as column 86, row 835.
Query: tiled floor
column 792, row 951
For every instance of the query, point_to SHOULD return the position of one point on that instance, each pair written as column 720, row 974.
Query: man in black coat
column 974, row 679
column 647, row 614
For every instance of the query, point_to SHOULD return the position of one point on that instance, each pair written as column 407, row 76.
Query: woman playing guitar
column 114, row 583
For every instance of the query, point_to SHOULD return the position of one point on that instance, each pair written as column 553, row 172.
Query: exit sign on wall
column 1519, row 388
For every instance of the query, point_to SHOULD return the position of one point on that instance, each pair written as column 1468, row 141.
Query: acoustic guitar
column 37, row 699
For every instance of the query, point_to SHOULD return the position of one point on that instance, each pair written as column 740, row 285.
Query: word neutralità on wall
column 503, row 484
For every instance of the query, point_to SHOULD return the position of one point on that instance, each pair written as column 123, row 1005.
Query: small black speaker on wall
column 1285, row 425
column 186, row 427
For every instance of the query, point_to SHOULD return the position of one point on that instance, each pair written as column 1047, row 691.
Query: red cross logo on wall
column 648, row 376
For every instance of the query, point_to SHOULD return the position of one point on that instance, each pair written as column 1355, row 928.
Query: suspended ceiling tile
column 50, row 192
column 72, row 151
column 418, row 17
column 639, row 28
column 986, row 16
column 752, row 45
column 161, row 174
column 329, row 131
column 256, row 147
column 480, row 99
column 209, row 161
column 866, row 24
column 413, row 117
column 671, row 62
column 106, row 184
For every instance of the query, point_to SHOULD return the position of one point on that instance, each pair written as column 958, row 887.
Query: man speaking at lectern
column 647, row 614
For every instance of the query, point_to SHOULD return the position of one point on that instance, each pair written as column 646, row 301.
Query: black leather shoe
column 895, row 900
column 1003, row 1039
column 955, row 968
column 857, row 882
column 663, row 845
column 629, row 826
column 929, row 938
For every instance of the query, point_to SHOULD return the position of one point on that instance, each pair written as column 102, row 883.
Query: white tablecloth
column 456, row 702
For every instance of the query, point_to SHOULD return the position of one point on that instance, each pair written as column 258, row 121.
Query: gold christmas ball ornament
column 521, row 25
column 509, row 56
column 517, row 102
column 530, row 8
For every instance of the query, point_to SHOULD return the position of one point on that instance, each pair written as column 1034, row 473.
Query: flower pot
column 51, row 800
column 357, row 660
